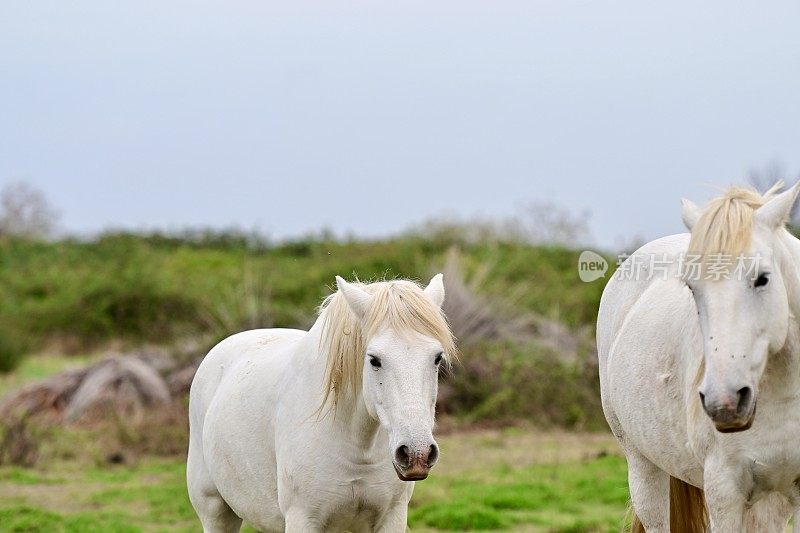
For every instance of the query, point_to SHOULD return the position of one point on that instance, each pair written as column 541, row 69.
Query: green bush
column 508, row 382
column 155, row 288
column 159, row 289
column 12, row 349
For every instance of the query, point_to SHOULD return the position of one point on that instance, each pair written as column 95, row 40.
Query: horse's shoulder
column 675, row 243
column 630, row 291
column 252, row 345
column 246, row 340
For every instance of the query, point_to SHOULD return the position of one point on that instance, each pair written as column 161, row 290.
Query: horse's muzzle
column 723, row 427
column 733, row 414
column 414, row 466
column 412, row 474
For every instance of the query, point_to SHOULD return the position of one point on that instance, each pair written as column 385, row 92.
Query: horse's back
column 621, row 294
column 264, row 344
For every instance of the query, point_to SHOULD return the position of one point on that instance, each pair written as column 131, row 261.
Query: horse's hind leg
column 649, row 487
column 215, row 515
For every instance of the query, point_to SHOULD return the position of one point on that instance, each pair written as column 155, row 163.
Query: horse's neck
column 783, row 368
column 355, row 423
column 350, row 417
column 790, row 263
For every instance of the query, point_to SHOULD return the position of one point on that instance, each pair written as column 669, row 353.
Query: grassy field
column 72, row 297
column 511, row 480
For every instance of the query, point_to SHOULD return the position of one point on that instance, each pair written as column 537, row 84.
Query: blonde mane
column 726, row 225
column 398, row 304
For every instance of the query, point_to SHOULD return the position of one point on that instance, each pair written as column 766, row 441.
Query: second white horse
column 686, row 358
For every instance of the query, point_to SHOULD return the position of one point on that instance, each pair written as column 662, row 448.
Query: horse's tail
column 687, row 509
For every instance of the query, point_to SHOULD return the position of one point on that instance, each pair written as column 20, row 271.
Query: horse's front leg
column 298, row 520
column 726, row 488
column 395, row 520
column 771, row 513
column 725, row 512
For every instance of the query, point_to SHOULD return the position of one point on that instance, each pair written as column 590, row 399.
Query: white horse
column 310, row 431
column 673, row 346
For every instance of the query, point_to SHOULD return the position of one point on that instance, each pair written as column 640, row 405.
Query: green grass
column 526, row 481
column 148, row 497
column 516, row 480
column 575, row 496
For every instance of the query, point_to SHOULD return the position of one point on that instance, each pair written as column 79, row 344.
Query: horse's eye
column 438, row 359
column 761, row 280
column 374, row 361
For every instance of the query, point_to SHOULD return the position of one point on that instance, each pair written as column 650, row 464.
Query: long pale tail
column 687, row 509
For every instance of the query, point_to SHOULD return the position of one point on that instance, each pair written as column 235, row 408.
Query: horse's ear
column 690, row 212
column 357, row 299
column 435, row 290
column 775, row 213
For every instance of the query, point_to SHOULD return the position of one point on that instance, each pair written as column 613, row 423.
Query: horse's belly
column 244, row 473
column 239, row 447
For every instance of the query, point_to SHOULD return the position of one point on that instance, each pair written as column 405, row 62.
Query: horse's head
column 740, row 295
column 406, row 341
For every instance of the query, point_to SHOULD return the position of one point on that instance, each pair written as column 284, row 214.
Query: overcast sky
column 367, row 117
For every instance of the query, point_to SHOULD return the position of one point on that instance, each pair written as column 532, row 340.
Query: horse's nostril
column 433, row 454
column 703, row 400
column 401, row 456
column 744, row 394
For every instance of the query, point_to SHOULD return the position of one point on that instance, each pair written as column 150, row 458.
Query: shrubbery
column 12, row 349
column 134, row 289
column 505, row 382
column 154, row 288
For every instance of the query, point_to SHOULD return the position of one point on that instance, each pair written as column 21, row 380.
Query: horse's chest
column 772, row 469
column 342, row 493
column 358, row 504
column 771, row 457
column 359, row 514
